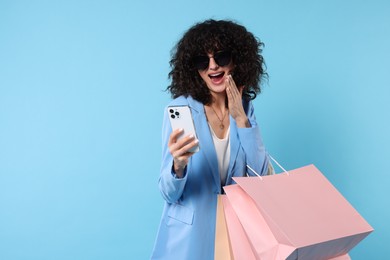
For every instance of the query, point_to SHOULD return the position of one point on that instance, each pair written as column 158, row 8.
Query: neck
column 218, row 102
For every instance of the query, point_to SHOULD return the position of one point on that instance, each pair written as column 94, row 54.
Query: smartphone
column 181, row 117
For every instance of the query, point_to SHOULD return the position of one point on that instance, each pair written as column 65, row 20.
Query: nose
column 212, row 64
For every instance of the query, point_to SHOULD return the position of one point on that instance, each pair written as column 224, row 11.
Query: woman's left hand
column 236, row 110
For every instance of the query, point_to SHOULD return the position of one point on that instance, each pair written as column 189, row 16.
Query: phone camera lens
column 171, row 111
column 173, row 116
column 177, row 113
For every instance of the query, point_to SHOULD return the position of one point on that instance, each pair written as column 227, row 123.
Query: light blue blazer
column 187, row 227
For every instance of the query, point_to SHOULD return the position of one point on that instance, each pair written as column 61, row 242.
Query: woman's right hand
column 179, row 150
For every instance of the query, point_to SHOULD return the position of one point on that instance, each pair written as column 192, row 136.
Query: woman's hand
column 236, row 110
column 179, row 150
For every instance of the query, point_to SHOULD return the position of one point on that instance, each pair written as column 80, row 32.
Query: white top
column 222, row 147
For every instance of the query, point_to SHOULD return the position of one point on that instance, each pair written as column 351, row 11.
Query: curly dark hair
column 211, row 36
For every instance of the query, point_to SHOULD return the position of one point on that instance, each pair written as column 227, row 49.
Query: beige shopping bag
column 222, row 241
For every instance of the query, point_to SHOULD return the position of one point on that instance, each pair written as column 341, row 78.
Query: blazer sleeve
column 171, row 188
column 252, row 143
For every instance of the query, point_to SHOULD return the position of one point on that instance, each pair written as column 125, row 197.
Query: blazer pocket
column 181, row 213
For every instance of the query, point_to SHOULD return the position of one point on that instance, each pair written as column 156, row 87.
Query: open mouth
column 217, row 76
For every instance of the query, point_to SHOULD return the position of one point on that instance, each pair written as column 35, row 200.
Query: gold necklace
column 221, row 125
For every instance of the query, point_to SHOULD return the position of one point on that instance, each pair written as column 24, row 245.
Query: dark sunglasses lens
column 223, row 58
column 201, row 62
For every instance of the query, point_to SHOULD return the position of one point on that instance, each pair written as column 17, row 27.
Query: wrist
column 179, row 174
column 178, row 171
column 243, row 122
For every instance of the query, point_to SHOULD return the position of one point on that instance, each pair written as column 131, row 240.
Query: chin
column 218, row 89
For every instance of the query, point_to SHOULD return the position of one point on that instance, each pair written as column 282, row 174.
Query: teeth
column 216, row 74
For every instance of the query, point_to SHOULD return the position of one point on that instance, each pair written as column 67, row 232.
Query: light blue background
column 81, row 105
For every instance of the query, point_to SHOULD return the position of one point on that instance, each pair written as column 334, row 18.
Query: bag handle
column 278, row 164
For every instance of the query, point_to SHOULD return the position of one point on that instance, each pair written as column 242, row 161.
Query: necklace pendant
column 221, row 126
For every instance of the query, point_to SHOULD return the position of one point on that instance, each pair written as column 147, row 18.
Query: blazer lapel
column 234, row 148
column 206, row 142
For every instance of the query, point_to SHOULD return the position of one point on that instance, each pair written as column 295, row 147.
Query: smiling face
column 214, row 75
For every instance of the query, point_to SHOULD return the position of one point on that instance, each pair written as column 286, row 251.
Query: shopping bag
column 299, row 215
column 222, row 243
column 264, row 243
column 239, row 243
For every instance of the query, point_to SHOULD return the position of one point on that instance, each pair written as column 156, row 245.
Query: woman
column 216, row 71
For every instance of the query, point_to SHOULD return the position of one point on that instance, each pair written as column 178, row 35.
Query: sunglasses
column 222, row 58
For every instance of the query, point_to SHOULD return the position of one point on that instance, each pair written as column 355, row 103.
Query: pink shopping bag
column 299, row 215
column 240, row 246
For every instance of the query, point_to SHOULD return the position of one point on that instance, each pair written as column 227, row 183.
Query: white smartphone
column 181, row 117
